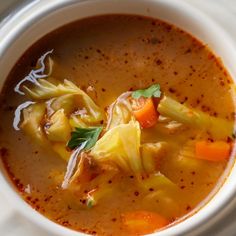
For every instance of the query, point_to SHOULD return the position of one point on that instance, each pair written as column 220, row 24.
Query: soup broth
column 139, row 171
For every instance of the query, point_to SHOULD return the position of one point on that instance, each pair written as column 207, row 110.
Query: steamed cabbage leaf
column 120, row 145
column 58, row 127
column 120, row 111
column 33, row 116
column 45, row 90
column 66, row 102
column 120, row 115
column 61, row 149
column 76, row 121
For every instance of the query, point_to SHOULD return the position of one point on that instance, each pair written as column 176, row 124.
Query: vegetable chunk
column 145, row 112
column 143, row 222
column 120, row 145
column 45, row 89
column 152, row 153
column 58, row 128
column 212, row 151
column 32, row 123
column 218, row 127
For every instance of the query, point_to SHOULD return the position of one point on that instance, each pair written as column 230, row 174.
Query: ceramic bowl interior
column 35, row 20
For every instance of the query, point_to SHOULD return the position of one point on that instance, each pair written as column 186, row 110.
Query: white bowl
column 34, row 20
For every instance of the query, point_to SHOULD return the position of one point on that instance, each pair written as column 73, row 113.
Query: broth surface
column 111, row 55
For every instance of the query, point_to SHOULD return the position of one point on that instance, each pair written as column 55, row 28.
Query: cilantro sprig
column 152, row 91
column 82, row 135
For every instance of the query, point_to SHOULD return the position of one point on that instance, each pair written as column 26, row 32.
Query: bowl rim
column 19, row 27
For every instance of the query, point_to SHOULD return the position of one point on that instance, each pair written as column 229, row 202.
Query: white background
column 12, row 223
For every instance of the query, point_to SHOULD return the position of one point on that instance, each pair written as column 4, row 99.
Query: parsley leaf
column 152, row 91
column 82, row 135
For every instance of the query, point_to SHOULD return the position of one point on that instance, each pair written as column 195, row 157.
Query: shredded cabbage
column 43, row 69
column 120, row 145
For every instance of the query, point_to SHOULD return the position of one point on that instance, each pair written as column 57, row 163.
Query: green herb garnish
column 90, row 202
column 152, row 91
column 82, row 135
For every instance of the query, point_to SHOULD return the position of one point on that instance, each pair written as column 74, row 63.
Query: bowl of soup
column 117, row 117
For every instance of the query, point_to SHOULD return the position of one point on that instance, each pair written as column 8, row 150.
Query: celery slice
column 157, row 181
column 60, row 149
column 95, row 195
column 219, row 128
column 151, row 154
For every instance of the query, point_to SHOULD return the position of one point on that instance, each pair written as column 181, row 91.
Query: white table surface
column 12, row 223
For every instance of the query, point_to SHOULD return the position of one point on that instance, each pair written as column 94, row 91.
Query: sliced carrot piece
column 143, row 222
column 145, row 112
column 212, row 151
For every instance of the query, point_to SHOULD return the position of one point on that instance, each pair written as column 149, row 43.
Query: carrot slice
column 143, row 222
column 212, row 151
column 145, row 112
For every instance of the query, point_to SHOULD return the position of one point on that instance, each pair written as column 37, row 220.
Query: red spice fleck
column 171, row 90
column 4, row 152
column 222, row 83
column 28, row 198
column 158, row 62
column 210, row 56
column 155, row 41
column 188, row 51
column 188, row 208
column 48, row 198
